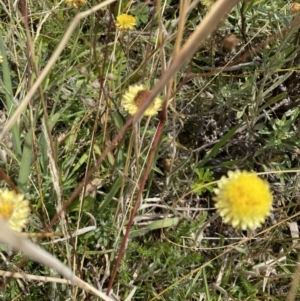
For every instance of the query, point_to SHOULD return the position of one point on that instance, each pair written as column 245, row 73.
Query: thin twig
column 33, row 251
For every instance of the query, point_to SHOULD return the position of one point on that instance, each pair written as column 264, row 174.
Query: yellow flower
column 295, row 7
column 135, row 96
column 14, row 209
column 75, row 3
column 125, row 22
column 243, row 199
column 1, row 59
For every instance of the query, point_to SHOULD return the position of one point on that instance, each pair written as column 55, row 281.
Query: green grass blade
column 26, row 160
column 164, row 223
column 218, row 145
column 115, row 188
column 9, row 97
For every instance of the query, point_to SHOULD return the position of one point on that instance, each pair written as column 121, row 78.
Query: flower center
column 6, row 209
column 141, row 97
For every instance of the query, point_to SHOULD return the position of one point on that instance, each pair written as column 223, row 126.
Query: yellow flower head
column 125, row 22
column 295, row 7
column 14, row 209
column 135, row 97
column 75, row 3
column 243, row 199
column 1, row 59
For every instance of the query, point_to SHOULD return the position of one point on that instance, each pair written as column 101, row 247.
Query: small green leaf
column 204, row 177
column 88, row 205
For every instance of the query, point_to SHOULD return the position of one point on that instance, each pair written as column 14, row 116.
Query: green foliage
column 244, row 290
column 282, row 133
column 204, row 176
column 141, row 12
column 171, row 261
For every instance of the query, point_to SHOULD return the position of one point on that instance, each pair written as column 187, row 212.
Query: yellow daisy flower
column 135, row 96
column 125, row 22
column 243, row 199
column 14, row 209
column 75, row 3
column 295, row 7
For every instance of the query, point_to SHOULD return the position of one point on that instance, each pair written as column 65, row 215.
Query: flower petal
column 243, row 199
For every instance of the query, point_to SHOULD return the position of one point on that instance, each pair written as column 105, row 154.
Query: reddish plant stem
column 8, row 180
column 89, row 174
column 154, row 147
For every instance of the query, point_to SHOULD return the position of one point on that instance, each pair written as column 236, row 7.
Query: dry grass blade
column 209, row 23
column 34, row 252
column 29, row 277
column 49, row 65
